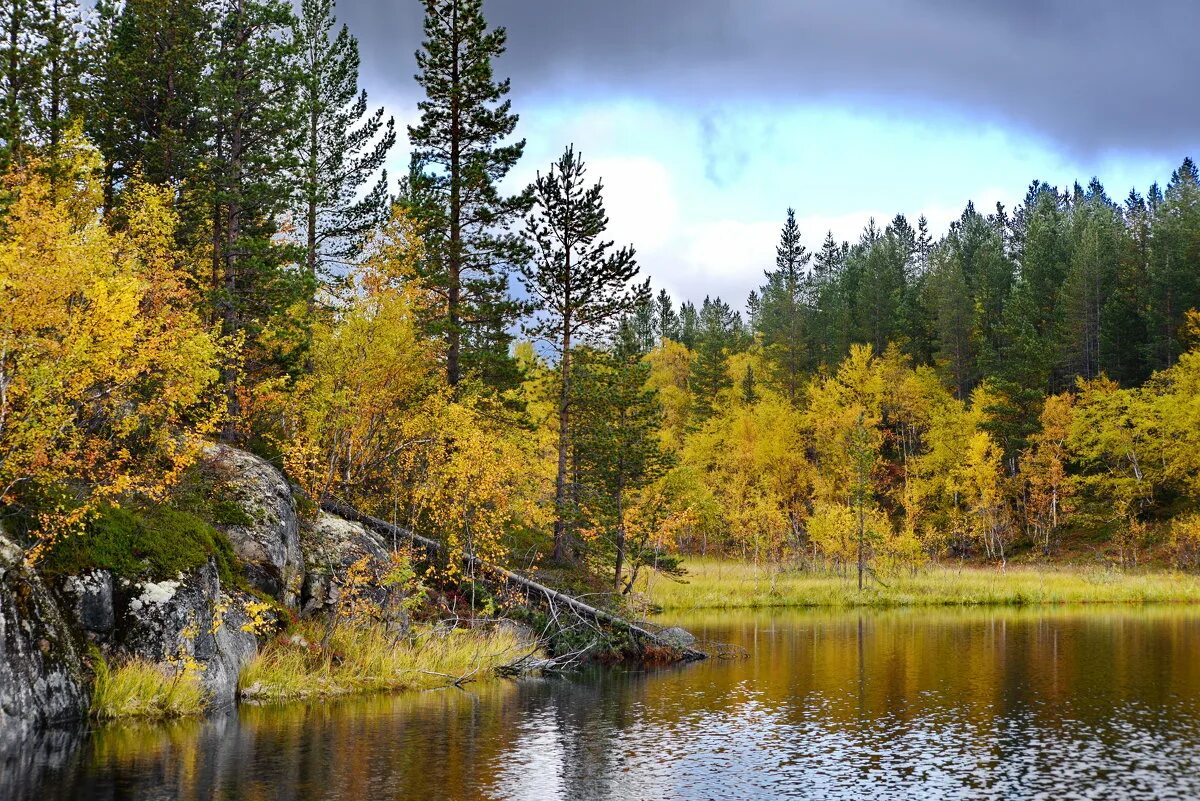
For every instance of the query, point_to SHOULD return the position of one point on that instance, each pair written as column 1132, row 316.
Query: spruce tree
column 459, row 159
column 580, row 286
column 782, row 313
column 668, row 318
column 343, row 149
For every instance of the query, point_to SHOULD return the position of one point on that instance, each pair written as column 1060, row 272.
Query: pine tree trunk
column 861, row 526
column 564, row 421
column 233, row 211
column 454, row 290
column 620, row 536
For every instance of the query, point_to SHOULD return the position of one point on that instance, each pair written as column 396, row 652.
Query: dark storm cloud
column 1092, row 75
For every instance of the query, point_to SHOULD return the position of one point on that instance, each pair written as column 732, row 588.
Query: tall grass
column 366, row 658
column 720, row 584
column 145, row 690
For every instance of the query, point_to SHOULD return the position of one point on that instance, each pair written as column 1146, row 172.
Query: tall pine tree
column 459, row 158
column 580, row 285
column 255, row 131
column 343, row 149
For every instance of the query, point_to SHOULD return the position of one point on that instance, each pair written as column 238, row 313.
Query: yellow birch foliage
column 752, row 457
column 374, row 423
column 1049, row 490
column 107, row 372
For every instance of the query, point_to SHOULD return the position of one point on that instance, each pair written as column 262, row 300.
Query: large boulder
column 41, row 674
column 343, row 557
column 267, row 541
column 191, row 619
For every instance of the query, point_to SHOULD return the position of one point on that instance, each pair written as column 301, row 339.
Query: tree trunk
column 564, row 429
column 620, row 538
column 474, row 563
column 454, row 254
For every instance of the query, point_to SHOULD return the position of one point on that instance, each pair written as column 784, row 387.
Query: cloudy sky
column 707, row 119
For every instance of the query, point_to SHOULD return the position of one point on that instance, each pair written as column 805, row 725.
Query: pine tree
column 21, row 64
column 616, row 442
column 689, row 325
column 255, row 136
column 1174, row 278
column 344, row 147
column 830, row 318
column 1125, row 339
column 1091, row 278
column 61, row 60
column 720, row 333
column 954, row 321
column 580, row 285
column 150, row 99
column 879, row 264
column 458, row 161
column 749, row 390
column 781, row 316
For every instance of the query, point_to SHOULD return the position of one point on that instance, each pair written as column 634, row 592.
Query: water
column 911, row 704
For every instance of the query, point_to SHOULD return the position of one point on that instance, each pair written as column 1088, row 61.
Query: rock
column 269, row 544
column 92, row 595
column 41, row 674
column 332, row 547
column 191, row 618
column 677, row 637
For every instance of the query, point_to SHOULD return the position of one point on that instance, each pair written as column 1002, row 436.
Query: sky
column 707, row 119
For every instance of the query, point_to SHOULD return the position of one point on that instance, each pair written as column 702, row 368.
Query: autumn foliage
column 106, row 366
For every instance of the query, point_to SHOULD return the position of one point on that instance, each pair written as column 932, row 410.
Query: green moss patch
column 154, row 543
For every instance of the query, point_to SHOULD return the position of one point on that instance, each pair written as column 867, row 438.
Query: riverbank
column 726, row 584
column 357, row 660
column 367, row 659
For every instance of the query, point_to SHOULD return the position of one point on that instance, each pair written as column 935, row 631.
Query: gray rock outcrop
column 191, row 617
column 332, row 546
column 41, row 674
column 269, row 545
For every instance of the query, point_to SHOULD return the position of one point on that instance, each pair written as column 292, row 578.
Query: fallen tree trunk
column 435, row 549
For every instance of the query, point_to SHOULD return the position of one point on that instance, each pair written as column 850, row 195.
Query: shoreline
column 726, row 584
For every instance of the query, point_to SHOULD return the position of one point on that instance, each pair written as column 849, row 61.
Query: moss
column 154, row 543
column 204, row 492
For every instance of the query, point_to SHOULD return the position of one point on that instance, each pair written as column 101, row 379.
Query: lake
column 925, row 704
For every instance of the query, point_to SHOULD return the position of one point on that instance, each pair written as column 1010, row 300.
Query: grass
column 721, row 584
column 144, row 690
column 365, row 658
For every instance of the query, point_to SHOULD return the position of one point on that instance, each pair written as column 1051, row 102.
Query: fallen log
column 434, row 549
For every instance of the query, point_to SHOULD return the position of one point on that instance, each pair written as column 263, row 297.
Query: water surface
column 907, row 704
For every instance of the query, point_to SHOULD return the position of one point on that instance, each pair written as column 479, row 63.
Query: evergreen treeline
column 211, row 169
